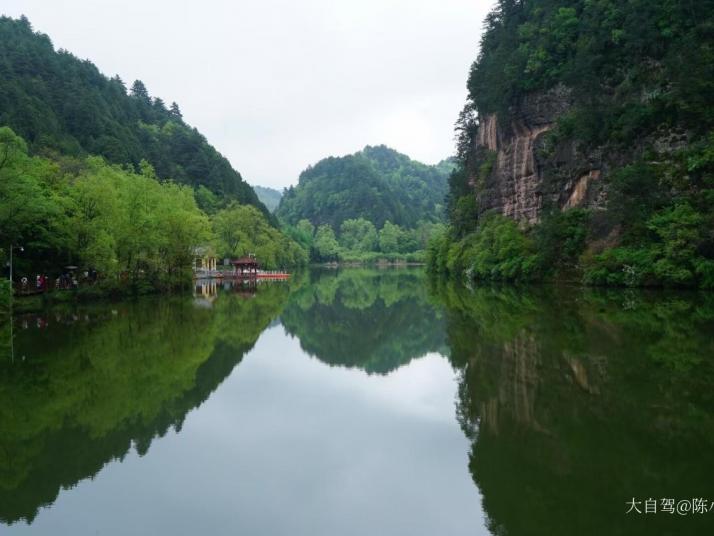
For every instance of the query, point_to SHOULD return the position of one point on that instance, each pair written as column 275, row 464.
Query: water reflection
column 95, row 381
column 571, row 402
column 576, row 401
column 375, row 320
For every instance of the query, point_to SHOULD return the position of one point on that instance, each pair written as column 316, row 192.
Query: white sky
column 276, row 85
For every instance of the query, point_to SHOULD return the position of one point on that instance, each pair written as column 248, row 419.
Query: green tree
column 358, row 235
column 139, row 91
column 242, row 229
column 390, row 237
column 325, row 246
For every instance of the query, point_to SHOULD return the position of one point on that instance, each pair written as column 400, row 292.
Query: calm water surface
column 359, row 402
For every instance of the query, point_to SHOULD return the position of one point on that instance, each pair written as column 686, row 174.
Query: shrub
column 497, row 251
column 560, row 239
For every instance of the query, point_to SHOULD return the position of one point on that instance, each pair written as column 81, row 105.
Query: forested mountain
column 586, row 147
column 377, row 184
column 270, row 197
column 115, row 185
column 61, row 105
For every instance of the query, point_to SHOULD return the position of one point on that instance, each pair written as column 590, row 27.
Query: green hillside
column 113, row 187
column 377, row 184
column 61, row 105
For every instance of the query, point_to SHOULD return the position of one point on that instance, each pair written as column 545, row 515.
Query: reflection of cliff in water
column 376, row 320
column 578, row 401
column 86, row 392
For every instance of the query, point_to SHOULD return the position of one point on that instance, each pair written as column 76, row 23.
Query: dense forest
column 376, row 201
column 114, row 187
column 377, row 184
column 61, row 105
column 612, row 104
column 136, row 232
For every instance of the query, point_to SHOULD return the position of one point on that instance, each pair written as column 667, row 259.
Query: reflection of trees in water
column 376, row 320
column 85, row 395
column 576, row 401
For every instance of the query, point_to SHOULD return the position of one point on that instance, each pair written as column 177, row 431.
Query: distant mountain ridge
column 270, row 197
column 62, row 105
column 377, row 183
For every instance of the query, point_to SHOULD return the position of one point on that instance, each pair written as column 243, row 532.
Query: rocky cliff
column 601, row 106
column 530, row 170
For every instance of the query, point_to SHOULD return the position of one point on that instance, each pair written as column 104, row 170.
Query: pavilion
column 247, row 266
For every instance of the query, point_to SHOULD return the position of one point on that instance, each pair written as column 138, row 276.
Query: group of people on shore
column 65, row 281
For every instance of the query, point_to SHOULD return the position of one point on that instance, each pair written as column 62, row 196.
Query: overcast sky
column 276, row 85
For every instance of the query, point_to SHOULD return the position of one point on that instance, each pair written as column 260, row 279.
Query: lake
column 361, row 401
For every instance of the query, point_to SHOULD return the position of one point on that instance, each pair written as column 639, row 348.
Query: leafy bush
column 669, row 257
column 560, row 240
column 436, row 252
column 497, row 251
column 621, row 266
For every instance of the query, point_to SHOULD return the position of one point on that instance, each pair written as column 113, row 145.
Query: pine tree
column 138, row 91
column 175, row 112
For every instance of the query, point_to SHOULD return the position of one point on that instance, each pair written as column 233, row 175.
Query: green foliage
column 390, row 237
column 633, row 79
column 654, row 58
column 437, row 251
column 376, row 184
column 30, row 211
column 359, row 241
column 121, row 222
column 671, row 257
column 560, row 239
column 461, row 202
column 137, row 232
column 206, row 200
column 665, row 213
column 243, row 230
column 464, row 216
column 325, row 246
column 358, row 235
column 636, row 191
column 61, row 104
column 303, row 233
column 497, row 251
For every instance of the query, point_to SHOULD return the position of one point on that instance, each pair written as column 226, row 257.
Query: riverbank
column 363, row 264
column 95, row 293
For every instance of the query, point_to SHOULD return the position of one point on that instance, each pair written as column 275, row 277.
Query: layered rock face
column 527, row 175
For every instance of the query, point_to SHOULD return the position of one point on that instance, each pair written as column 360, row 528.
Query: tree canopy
column 133, row 229
column 377, row 184
column 63, row 105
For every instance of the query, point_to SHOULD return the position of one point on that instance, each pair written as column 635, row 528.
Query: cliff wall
column 531, row 172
